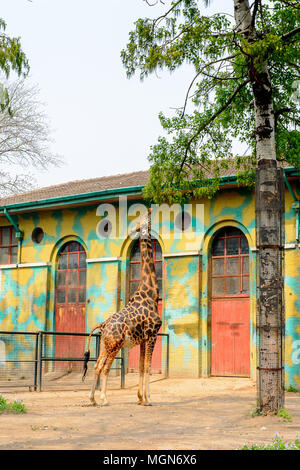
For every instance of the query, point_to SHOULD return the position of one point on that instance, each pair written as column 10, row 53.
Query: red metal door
column 70, row 303
column 230, row 305
column 230, row 337
column 135, row 275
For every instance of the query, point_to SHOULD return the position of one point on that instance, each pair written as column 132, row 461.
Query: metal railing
column 44, row 355
column 40, row 348
column 14, row 344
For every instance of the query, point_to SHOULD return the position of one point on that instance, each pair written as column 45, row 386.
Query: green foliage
column 190, row 156
column 256, row 412
column 2, row 403
column 283, row 413
column 17, row 406
column 292, row 389
column 277, row 444
column 12, row 59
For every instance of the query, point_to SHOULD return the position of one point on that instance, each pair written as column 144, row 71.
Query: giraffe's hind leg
column 147, row 368
column 141, row 373
column 98, row 369
column 104, row 377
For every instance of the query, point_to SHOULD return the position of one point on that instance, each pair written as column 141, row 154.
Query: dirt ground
column 194, row 414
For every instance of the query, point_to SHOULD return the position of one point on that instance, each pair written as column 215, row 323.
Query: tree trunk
column 269, row 208
column 269, row 234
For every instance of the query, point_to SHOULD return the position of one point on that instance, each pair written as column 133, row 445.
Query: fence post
column 97, row 345
column 168, row 355
column 97, row 355
column 36, row 361
column 40, row 342
column 122, row 368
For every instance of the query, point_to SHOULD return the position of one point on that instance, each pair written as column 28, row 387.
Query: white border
column 32, row 265
column 102, row 260
column 181, row 253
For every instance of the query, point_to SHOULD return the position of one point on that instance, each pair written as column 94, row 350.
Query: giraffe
column 136, row 324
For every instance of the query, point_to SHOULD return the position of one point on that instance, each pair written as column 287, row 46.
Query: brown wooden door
column 230, row 304
column 70, row 302
column 135, row 276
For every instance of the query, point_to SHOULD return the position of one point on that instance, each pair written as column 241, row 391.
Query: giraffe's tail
column 86, row 355
column 86, row 358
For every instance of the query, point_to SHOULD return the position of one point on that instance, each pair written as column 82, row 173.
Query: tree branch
column 221, row 79
column 288, row 35
column 296, row 66
column 255, row 9
column 159, row 18
column 213, row 117
column 279, row 112
column 290, row 4
column 170, row 41
column 199, row 73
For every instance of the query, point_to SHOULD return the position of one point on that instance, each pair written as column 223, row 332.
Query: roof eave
column 73, row 199
column 95, row 196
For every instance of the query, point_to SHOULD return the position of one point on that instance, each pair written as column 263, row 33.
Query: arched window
column 135, row 265
column 71, row 274
column 8, row 245
column 230, row 263
column 70, row 315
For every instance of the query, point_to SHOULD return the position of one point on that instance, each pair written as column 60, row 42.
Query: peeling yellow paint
column 187, row 324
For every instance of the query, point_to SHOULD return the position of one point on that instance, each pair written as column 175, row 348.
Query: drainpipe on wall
column 19, row 233
column 295, row 205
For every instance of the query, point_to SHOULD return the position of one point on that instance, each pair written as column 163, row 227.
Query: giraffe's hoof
column 139, row 402
column 103, row 400
column 147, row 403
column 92, row 399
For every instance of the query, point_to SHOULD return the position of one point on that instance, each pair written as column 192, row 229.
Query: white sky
column 103, row 123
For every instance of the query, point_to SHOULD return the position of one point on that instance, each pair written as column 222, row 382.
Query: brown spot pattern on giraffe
column 127, row 325
column 137, row 323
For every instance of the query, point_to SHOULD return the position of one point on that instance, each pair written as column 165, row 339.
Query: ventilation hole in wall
column 37, row 235
column 104, row 228
column 183, row 221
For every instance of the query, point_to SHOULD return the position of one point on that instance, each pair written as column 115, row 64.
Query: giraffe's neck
column 148, row 281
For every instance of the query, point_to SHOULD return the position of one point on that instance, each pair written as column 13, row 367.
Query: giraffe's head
column 144, row 226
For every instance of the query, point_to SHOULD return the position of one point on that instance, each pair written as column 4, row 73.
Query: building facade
column 59, row 271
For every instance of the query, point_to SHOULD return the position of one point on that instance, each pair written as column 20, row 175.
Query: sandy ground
column 192, row 414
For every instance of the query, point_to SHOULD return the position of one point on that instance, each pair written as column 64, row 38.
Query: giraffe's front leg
column 146, row 401
column 141, row 372
column 147, row 368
